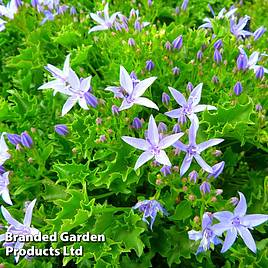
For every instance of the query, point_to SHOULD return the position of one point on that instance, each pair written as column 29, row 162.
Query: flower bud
column 91, row 99
column 259, row 72
column 14, row 139
column 242, row 62
column 176, row 70
column 73, row 11
column 176, row 128
column 259, row 32
column 218, row 44
column 205, row 187
column 61, row 129
column 177, row 43
column 115, row 110
column 26, row 139
column 258, row 107
column 137, row 124
column 165, row 98
column 190, row 86
column 215, row 79
column 149, row 65
column 234, row 201
column 217, row 56
column 199, row 55
column 166, row 170
column 168, row 46
column 219, row 191
column 193, row 176
column 131, row 42
column 162, row 127
column 238, row 89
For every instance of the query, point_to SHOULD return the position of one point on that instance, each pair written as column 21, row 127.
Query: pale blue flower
column 207, row 236
column 131, row 91
column 150, row 209
column 105, row 22
column 18, row 228
column 238, row 223
column 190, row 107
column 194, row 150
column 152, row 146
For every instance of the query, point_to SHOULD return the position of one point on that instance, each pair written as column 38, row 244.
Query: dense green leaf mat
column 79, row 168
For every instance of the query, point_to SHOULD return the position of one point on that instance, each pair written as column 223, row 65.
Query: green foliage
column 84, row 185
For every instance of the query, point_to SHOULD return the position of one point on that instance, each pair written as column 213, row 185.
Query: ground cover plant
column 144, row 121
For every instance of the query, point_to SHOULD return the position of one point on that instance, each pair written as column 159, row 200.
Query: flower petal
column 247, row 238
column 125, row 80
column 180, row 145
column 97, row 18
column 98, row 28
column 68, row 105
column 162, row 158
column 28, row 214
column 9, row 218
column 6, row 196
column 153, row 134
column 253, row 220
column 140, row 144
column 125, row 105
column 241, row 207
column 66, row 66
column 143, row 158
column 195, row 235
column 142, row 86
column 253, row 59
column 176, row 113
column 192, row 132
column 185, row 164
column 85, row 84
column 219, row 228
column 223, row 216
column 169, row 140
column 146, row 102
column 74, row 80
column 83, row 103
column 229, row 239
column 202, row 163
column 203, row 107
column 179, row 98
column 206, row 220
column 212, row 142
column 195, row 95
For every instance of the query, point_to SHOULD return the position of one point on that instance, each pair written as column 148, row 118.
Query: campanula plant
column 139, row 121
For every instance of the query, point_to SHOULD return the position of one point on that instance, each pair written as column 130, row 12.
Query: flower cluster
column 67, row 82
column 233, row 223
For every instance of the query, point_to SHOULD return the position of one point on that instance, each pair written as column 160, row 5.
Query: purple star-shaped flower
column 190, row 107
column 194, row 150
column 153, row 146
column 237, row 29
column 222, row 14
column 207, row 236
column 150, row 209
column 238, row 223
column 131, row 90
column 16, row 227
column 105, row 22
